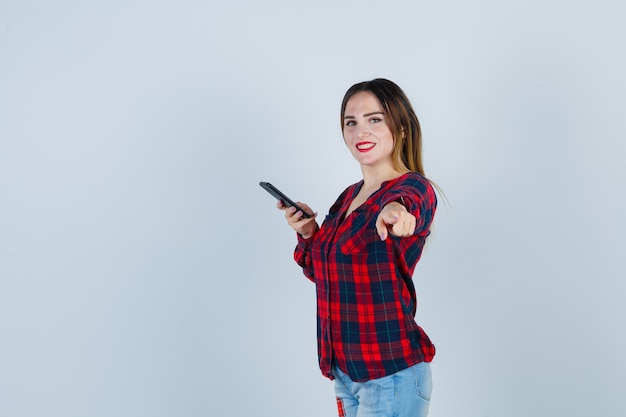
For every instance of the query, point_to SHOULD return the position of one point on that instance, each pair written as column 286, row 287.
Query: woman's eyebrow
column 365, row 115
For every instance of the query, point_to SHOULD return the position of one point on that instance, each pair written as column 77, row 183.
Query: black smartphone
column 282, row 197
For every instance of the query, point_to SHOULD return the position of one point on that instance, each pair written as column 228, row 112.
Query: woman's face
column 366, row 132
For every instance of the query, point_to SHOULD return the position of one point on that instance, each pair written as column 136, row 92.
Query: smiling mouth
column 365, row 146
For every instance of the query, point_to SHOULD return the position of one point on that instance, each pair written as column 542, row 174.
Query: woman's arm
column 407, row 209
column 306, row 229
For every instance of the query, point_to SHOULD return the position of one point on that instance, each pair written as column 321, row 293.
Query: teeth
column 365, row 146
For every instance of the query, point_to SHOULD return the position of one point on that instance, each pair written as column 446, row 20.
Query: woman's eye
column 350, row 123
column 375, row 120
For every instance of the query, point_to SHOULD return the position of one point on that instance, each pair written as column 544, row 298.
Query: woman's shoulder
column 414, row 179
column 413, row 184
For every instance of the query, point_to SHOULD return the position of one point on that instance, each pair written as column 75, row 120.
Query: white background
column 143, row 271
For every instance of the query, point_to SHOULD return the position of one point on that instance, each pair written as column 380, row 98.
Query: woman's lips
column 365, row 146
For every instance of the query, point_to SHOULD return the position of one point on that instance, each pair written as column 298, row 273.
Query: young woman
column 362, row 260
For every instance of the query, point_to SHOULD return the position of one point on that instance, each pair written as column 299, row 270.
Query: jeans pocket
column 423, row 380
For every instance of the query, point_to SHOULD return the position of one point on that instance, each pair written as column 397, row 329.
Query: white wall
column 143, row 271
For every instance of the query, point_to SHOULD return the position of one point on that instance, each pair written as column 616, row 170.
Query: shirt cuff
column 303, row 240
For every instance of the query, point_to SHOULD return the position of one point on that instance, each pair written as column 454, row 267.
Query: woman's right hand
column 303, row 226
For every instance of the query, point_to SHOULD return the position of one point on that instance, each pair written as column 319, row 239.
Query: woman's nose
column 363, row 131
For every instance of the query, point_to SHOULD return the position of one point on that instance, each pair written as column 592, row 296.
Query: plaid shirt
column 366, row 300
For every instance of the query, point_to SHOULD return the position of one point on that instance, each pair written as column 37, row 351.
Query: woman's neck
column 373, row 177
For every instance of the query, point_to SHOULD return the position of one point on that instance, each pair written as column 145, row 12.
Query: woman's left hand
column 395, row 219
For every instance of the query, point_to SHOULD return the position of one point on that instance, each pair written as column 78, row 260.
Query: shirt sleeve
column 302, row 255
column 419, row 198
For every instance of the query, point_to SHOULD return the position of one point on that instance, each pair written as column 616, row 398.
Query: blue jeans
column 403, row 394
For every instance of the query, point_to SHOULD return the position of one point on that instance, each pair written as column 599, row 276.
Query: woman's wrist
column 307, row 236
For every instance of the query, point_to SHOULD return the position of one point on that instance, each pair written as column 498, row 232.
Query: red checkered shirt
column 366, row 300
